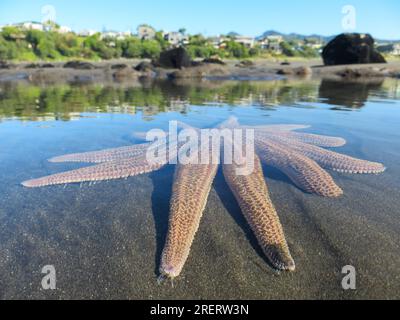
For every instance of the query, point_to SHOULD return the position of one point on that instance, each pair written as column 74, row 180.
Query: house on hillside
column 393, row 49
column 30, row 25
column 87, row 33
column 116, row 35
column 146, row 32
column 218, row 42
column 63, row 29
column 244, row 40
column 272, row 43
column 314, row 43
column 176, row 38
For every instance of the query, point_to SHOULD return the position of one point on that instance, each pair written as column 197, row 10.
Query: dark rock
column 5, row 65
column 285, row 71
column 350, row 73
column 144, row 67
column 285, row 63
column 119, row 66
column 351, row 48
column 303, row 71
column 177, row 58
column 300, row 71
column 355, row 73
column 245, row 64
column 79, row 65
column 214, row 61
column 32, row 66
column 48, row 65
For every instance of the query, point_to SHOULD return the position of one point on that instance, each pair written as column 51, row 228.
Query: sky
column 212, row 17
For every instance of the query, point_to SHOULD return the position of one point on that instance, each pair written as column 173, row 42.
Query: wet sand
column 105, row 240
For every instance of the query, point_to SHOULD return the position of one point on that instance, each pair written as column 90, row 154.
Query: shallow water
column 105, row 240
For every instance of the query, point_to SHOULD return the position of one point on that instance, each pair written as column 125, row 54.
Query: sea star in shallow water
column 298, row 155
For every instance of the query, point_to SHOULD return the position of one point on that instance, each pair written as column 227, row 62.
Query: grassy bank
column 32, row 45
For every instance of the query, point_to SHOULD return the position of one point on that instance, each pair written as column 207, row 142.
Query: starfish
column 298, row 155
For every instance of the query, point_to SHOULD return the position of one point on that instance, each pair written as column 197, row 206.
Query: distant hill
column 297, row 36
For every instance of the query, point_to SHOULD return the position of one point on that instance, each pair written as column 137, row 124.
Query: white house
column 115, row 35
column 31, row 25
column 87, row 33
column 218, row 42
column 246, row 41
column 63, row 29
column 272, row 43
column 146, row 32
column 176, row 38
column 393, row 49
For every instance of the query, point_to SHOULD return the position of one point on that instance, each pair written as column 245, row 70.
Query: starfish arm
column 304, row 172
column 107, row 155
column 192, row 185
column 333, row 160
column 251, row 192
column 314, row 139
column 106, row 171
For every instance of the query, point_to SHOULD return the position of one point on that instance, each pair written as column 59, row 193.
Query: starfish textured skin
column 298, row 155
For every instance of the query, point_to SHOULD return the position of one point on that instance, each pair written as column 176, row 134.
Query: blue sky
column 211, row 17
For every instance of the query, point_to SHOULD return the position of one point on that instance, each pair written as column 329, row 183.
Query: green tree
column 288, row 49
column 236, row 50
column 34, row 37
column 8, row 50
column 151, row 49
column 131, row 48
column 46, row 49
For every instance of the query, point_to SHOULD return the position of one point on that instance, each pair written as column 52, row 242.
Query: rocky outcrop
column 48, row 65
column 214, row 61
column 38, row 66
column 300, row 71
column 119, row 66
column 351, row 48
column 202, row 71
column 177, row 58
column 144, row 67
column 245, row 64
column 81, row 65
column 5, row 65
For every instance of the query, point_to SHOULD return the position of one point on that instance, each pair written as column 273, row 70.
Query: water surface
column 105, row 240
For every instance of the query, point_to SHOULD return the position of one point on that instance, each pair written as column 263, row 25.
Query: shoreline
column 123, row 71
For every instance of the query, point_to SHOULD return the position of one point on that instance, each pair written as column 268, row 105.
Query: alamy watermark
column 350, row 278
column 202, row 146
column 49, row 14
column 49, row 281
column 349, row 20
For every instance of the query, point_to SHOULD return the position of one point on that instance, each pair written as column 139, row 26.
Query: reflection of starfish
column 298, row 155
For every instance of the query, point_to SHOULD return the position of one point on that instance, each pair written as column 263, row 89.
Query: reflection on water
column 67, row 102
column 351, row 94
